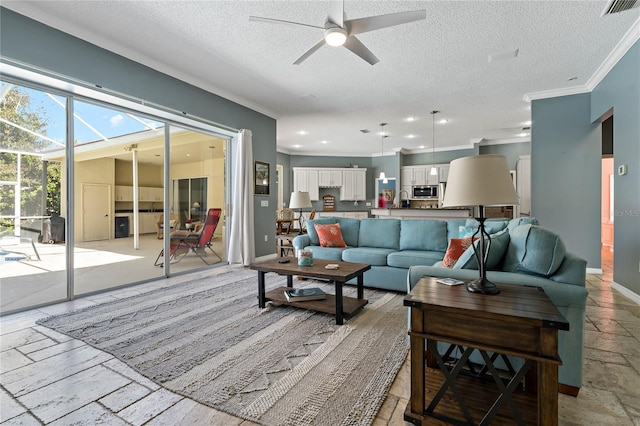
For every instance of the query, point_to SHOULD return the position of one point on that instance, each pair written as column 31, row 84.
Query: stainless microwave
column 425, row 191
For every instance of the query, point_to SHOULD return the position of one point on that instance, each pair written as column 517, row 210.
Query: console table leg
column 361, row 286
column 290, row 281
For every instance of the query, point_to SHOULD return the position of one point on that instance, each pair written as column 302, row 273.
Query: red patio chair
column 183, row 242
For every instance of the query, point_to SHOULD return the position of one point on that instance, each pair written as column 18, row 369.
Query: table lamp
column 481, row 180
column 300, row 200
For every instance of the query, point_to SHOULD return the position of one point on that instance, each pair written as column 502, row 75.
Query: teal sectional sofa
column 400, row 252
column 390, row 246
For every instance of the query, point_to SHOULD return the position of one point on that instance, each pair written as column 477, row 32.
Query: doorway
column 96, row 205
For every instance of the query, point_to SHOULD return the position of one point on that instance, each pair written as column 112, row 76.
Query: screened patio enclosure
column 123, row 167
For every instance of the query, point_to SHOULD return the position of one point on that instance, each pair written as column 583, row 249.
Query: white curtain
column 241, row 245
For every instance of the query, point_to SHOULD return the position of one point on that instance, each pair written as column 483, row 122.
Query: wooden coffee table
column 341, row 306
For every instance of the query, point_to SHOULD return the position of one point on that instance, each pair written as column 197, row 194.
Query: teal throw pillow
column 499, row 244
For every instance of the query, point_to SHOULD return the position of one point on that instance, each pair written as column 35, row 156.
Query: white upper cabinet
column 306, row 180
column 329, row 178
column 413, row 175
column 354, row 185
column 443, row 172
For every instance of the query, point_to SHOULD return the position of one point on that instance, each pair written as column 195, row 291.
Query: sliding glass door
column 32, row 217
column 71, row 220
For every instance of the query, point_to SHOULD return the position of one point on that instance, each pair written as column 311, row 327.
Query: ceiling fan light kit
column 339, row 31
column 335, row 36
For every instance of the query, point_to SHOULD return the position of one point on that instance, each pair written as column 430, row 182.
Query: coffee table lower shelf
column 350, row 305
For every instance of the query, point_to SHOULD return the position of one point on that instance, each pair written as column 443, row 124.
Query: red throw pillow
column 456, row 247
column 330, row 235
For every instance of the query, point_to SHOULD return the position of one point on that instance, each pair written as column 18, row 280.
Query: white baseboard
column 594, row 271
column 626, row 292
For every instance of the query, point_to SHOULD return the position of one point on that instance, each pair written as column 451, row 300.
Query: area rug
column 208, row 340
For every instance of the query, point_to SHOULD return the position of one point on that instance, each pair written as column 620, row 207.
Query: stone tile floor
column 49, row 378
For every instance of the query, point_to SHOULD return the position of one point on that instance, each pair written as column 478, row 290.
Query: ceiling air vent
column 615, row 6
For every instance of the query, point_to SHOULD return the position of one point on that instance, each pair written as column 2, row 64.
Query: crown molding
column 629, row 39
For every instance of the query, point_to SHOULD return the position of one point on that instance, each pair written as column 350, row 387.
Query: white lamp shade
column 481, row 180
column 300, row 200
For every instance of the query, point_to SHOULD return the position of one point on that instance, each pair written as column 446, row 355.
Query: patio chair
column 174, row 224
column 183, row 242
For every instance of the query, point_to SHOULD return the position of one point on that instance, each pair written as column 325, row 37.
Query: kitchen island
column 413, row 213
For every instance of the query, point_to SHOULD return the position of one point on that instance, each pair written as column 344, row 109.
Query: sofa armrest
column 300, row 242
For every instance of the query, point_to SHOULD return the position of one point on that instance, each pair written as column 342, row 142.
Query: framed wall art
column 261, row 178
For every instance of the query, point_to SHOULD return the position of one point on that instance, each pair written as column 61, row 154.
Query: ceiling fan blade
column 280, row 21
column 309, row 52
column 336, row 13
column 356, row 46
column 362, row 25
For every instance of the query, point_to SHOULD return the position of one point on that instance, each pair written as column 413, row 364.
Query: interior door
column 96, row 217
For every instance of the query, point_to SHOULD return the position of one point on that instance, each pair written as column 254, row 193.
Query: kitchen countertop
column 409, row 213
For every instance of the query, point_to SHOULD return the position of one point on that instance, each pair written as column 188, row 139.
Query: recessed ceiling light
column 523, row 134
column 410, row 119
column 443, row 121
column 297, row 146
column 324, row 142
column 411, row 136
column 188, row 155
column 421, row 147
column 302, row 132
column 526, row 123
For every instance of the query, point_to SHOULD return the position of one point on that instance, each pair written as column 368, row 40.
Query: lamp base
column 483, row 286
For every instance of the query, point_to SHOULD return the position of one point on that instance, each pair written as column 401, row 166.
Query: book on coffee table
column 302, row 294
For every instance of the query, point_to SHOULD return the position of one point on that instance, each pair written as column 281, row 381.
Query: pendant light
column 434, row 170
column 382, row 176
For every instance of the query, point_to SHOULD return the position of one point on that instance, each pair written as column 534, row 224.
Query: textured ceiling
column 439, row 63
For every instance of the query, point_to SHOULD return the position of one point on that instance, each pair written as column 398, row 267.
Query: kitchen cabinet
column 124, row 193
column 413, row 175
column 432, row 179
column 523, row 185
column 145, row 193
column 443, row 173
column 150, row 194
column 354, row 185
column 147, row 222
column 329, row 178
column 306, row 180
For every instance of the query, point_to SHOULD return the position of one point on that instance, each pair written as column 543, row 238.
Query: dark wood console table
column 521, row 321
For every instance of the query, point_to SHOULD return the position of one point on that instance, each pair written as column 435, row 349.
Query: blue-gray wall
column 566, row 157
column 566, row 153
column 33, row 43
column 620, row 91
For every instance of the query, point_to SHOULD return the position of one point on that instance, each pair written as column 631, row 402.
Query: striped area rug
column 208, row 340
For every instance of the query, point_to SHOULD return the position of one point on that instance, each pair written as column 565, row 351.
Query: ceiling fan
column 339, row 31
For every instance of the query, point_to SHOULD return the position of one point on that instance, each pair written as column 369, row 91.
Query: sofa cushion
column 370, row 255
column 534, row 250
column 382, row 233
column 514, row 223
column 326, row 253
column 429, row 235
column 491, row 225
column 350, row 230
column 456, row 247
column 499, row 244
column 407, row 258
column 329, row 235
column 311, row 229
